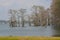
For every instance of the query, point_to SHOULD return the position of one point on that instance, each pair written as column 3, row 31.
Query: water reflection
column 56, row 31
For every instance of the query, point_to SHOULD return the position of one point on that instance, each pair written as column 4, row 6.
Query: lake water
column 5, row 30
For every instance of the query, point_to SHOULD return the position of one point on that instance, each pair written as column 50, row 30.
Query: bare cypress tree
column 13, row 18
column 39, row 18
column 36, row 18
column 18, row 14
column 22, row 11
column 29, row 20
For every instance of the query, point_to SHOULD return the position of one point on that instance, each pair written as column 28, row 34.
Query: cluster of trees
column 56, row 13
column 15, row 17
column 39, row 16
column 55, row 7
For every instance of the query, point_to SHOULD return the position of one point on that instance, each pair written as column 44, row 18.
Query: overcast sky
column 5, row 5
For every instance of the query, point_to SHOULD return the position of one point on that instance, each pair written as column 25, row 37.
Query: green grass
column 9, row 38
column 29, row 38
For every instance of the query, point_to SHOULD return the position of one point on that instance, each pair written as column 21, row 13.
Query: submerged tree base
column 13, row 24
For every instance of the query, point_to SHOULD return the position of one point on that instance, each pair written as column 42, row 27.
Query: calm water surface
column 5, row 30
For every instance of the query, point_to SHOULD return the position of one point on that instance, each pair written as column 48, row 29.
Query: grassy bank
column 29, row 38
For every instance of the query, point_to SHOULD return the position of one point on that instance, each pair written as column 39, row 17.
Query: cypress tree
column 56, row 16
column 56, row 13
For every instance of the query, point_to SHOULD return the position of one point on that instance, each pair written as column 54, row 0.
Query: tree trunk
column 22, row 22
